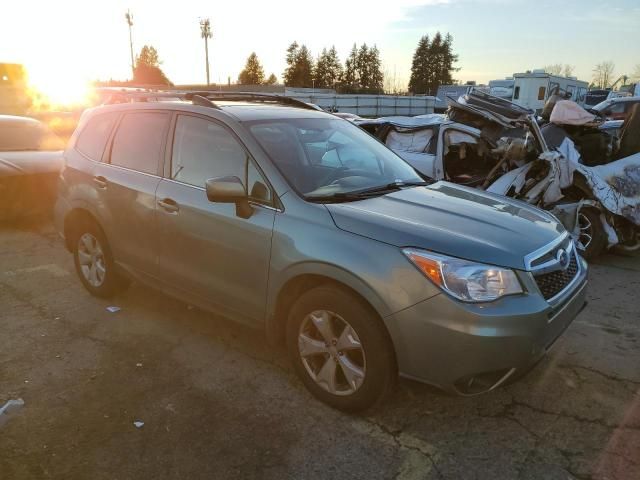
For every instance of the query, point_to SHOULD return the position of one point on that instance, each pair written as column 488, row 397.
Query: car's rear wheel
column 93, row 260
column 340, row 349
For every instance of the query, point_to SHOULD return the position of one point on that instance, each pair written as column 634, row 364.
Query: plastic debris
column 10, row 407
column 113, row 309
column 138, row 364
column 138, row 424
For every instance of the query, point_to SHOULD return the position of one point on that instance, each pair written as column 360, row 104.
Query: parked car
column 616, row 108
column 596, row 96
column 300, row 223
column 30, row 162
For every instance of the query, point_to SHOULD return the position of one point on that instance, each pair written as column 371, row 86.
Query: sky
column 71, row 41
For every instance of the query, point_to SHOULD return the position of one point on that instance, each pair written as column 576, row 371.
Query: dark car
column 30, row 163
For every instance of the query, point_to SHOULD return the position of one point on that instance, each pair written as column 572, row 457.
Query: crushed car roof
column 408, row 122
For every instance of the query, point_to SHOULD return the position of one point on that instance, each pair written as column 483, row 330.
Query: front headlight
column 467, row 281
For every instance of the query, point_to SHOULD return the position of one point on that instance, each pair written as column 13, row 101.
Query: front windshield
column 325, row 157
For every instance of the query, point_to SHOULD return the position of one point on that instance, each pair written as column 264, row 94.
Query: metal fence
column 371, row 105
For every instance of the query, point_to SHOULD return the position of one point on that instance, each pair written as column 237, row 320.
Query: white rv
column 531, row 90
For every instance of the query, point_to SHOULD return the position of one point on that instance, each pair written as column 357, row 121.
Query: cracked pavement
column 216, row 402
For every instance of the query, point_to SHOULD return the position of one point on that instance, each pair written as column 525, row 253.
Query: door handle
column 168, row 205
column 100, row 181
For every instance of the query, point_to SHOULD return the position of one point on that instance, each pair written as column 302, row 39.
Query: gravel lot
column 216, row 402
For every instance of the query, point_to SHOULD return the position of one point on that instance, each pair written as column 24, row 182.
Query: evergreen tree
column 328, row 69
column 362, row 67
column 334, row 67
column 253, row 74
column 272, row 80
column 350, row 79
column 375, row 83
column 321, row 72
column 448, row 59
column 432, row 64
column 436, row 63
column 419, row 67
column 299, row 71
column 305, row 68
column 147, row 70
column 289, row 75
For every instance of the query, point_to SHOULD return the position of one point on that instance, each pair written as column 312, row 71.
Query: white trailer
column 531, row 90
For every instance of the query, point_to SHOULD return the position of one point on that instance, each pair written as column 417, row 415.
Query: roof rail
column 116, row 95
column 251, row 96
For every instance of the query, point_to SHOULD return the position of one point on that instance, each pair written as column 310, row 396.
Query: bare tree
column 555, row 69
column 559, row 69
column 603, row 74
column 392, row 85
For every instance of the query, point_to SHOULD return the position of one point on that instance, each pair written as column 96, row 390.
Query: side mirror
column 229, row 190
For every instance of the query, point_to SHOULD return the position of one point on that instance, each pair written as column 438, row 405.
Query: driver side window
column 202, row 149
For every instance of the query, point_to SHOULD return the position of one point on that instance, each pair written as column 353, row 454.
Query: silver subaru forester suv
column 274, row 214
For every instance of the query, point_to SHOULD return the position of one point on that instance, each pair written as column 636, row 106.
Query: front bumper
column 472, row 348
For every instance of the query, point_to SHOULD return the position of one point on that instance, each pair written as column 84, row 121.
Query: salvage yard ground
column 216, row 402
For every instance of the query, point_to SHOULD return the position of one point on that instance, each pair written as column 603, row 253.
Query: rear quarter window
column 93, row 137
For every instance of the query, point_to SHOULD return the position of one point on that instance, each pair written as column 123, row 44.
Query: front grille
column 550, row 284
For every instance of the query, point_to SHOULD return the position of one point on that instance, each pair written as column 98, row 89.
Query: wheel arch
column 74, row 218
column 302, row 279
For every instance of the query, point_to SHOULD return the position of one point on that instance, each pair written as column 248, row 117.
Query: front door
column 206, row 249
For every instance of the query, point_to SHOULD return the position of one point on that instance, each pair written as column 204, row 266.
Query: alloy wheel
column 585, row 234
column 91, row 259
column 331, row 352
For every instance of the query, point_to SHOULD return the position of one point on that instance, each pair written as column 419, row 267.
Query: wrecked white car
column 495, row 145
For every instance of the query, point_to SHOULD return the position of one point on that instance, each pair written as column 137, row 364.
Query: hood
column 452, row 220
column 30, row 163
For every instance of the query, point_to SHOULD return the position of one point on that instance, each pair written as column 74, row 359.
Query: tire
column 349, row 362
column 593, row 239
column 94, row 261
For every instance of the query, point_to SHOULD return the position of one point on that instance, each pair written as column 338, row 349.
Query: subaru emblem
column 563, row 258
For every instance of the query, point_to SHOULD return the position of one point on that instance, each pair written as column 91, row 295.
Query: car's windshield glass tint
column 322, row 157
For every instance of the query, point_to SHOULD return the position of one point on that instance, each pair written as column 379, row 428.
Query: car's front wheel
column 592, row 239
column 340, row 349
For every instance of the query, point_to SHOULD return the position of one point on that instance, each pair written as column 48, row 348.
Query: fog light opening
column 482, row 382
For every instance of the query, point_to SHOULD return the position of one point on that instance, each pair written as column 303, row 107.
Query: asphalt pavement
column 213, row 401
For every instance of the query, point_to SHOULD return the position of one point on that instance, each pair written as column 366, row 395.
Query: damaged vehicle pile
column 566, row 164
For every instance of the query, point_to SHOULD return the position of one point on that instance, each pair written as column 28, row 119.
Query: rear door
column 207, row 251
column 128, row 181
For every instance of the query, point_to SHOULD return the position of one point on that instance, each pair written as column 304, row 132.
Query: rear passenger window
column 138, row 141
column 93, row 138
column 203, row 150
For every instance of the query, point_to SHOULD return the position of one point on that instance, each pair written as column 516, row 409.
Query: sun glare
column 55, row 91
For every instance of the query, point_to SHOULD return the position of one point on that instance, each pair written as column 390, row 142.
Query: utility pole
column 205, row 32
column 129, row 18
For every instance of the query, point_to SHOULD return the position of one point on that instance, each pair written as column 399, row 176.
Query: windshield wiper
column 367, row 192
column 389, row 187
